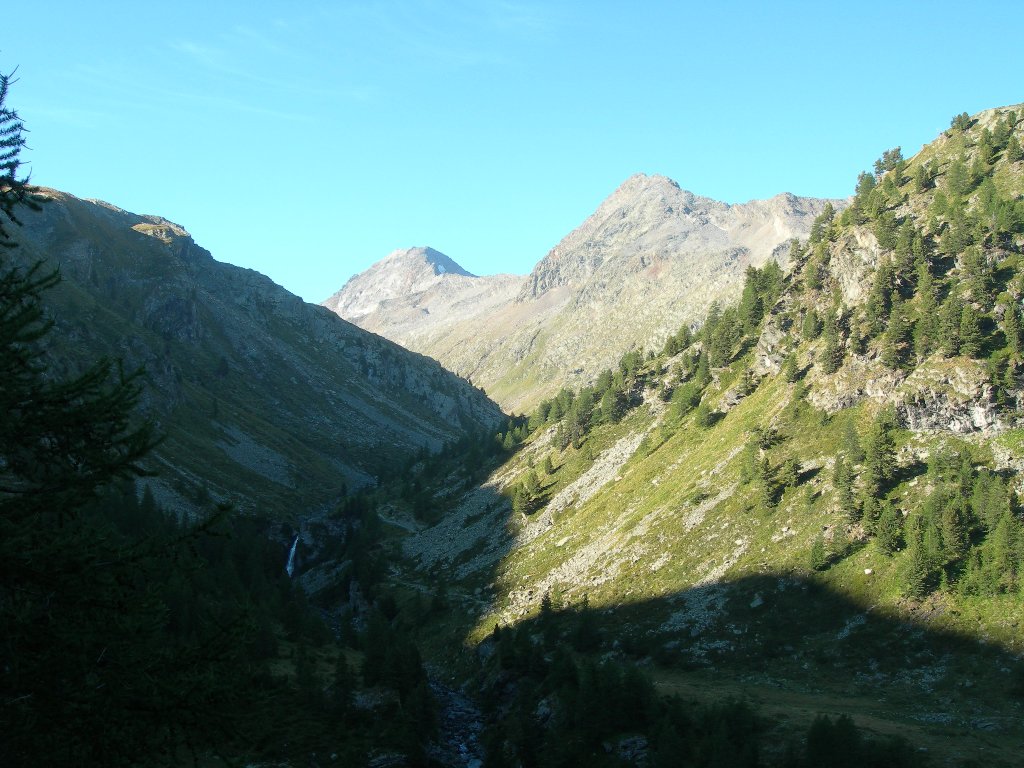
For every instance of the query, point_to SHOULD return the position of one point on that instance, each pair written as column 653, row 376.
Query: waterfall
column 290, row 568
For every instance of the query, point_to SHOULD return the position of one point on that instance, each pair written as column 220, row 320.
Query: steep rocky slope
column 652, row 257
column 816, row 497
column 265, row 400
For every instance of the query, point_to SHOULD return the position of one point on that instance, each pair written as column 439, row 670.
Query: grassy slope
column 687, row 569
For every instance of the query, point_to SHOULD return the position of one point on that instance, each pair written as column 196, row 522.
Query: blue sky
column 308, row 140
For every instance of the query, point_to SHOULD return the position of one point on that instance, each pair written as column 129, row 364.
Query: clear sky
column 307, row 140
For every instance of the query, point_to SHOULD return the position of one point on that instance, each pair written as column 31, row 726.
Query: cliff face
column 652, row 257
column 265, row 400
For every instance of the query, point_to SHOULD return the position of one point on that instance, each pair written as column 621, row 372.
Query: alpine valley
column 762, row 507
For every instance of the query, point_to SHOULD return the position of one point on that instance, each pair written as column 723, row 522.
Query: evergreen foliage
column 880, row 453
column 832, row 352
column 15, row 190
column 1013, row 152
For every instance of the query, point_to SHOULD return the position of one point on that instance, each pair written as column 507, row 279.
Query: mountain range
column 650, row 258
column 773, row 453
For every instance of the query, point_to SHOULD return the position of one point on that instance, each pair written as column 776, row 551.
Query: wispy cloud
column 443, row 34
column 125, row 91
column 245, row 56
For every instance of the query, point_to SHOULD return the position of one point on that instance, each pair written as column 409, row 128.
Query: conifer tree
column 851, row 444
column 904, row 264
column 953, row 530
column 1012, row 330
column 960, row 123
column 958, row 180
column 832, row 351
column 897, row 344
column 768, row 486
column 1000, row 557
column 922, row 178
column 790, row 371
column 976, row 275
column 811, row 327
column 889, row 530
column 842, row 479
column 986, row 150
column 971, row 337
column 818, row 556
column 922, row 252
column 949, row 324
column 821, row 226
column 915, row 576
column 880, row 453
column 879, row 301
column 1013, row 152
column 702, row 416
column 611, row 406
column 15, row 190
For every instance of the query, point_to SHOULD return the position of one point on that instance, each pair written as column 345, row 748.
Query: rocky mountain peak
column 651, row 218
column 401, row 273
column 415, row 259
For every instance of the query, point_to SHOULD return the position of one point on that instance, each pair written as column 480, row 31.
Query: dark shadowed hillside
column 265, row 401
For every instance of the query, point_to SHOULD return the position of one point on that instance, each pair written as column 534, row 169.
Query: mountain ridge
column 237, row 365
column 814, row 496
column 649, row 258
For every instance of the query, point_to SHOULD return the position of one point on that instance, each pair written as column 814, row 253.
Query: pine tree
column 611, row 406
column 953, row 530
column 971, row 338
column 811, row 327
column 880, row 453
column 842, row 479
column 818, row 556
column 1013, row 152
column 999, row 556
column 726, row 335
column 903, row 264
column 976, row 275
column 889, row 530
column 879, row 301
column 702, row 416
column 832, row 352
column 926, row 329
column 1012, row 330
column 790, row 371
column 949, row 324
column 15, row 190
column 768, row 486
column 886, row 230
column 986, row 150
column 958, row 181
column 922, row 179
column 751, row 308
column 960, row 123
column 922, row 252
column 897, row 342
column 821, row 226
column 915, row 574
